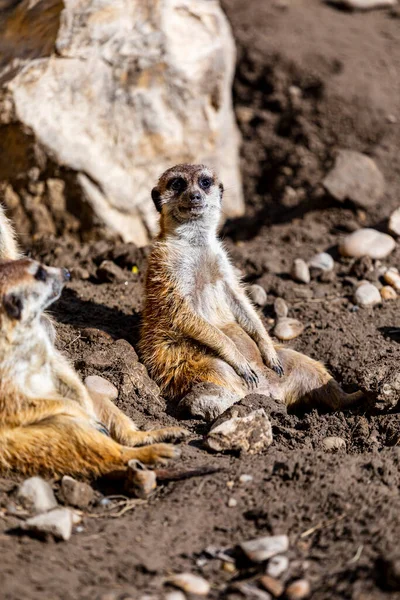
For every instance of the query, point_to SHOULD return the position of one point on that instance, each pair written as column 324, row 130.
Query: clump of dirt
column 310, row 79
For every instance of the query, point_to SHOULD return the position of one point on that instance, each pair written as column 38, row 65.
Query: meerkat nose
column 66, row 274
column 195, row 196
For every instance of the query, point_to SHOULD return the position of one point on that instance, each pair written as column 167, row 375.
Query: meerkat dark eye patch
column 178, row 184
column 205, row 182
column 156, row 196
column 13, row 306
column 41, row 274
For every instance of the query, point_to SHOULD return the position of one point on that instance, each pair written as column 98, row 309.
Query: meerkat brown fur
column 198, row 324
column 49, row 424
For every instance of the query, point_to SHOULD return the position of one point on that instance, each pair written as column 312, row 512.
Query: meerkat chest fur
column 200, row 273
column 29, row 365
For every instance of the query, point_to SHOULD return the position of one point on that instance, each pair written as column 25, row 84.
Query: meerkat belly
column 40, row 383
column 211, row 304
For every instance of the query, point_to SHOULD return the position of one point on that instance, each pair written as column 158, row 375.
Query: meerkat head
column 187, row 193
column 27, row 288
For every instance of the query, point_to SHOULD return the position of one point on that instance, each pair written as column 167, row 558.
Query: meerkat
column 198, row 324
column 49, row 424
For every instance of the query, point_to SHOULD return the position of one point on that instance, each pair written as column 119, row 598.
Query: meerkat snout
column 188, row 192
column 27, row 288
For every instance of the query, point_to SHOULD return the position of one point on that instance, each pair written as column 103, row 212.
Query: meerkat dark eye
column 178, row 184
column 41, row 274
column 205, row 182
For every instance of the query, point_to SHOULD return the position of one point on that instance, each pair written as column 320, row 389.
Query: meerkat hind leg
column 61, row 445
column 124, row 430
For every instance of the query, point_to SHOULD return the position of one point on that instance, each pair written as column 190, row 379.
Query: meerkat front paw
column 248, row 374
column 272, row 360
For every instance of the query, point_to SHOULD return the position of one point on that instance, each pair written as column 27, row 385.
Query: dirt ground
column 341, row 511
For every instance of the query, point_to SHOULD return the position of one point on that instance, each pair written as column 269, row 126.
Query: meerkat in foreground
column 49, row 424
column 198, row 324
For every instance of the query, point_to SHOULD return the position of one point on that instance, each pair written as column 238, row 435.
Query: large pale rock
column 356, row 177
column 367, row 242
column 116, row 91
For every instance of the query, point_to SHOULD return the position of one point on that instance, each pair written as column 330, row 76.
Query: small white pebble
column 333, row 443
column 192, row 584
column 257, row 294
column 388, row 293
column 288, row 329
column 245, row 478
column 277, row 565
column 367, row 294
column 298, row 590
column 280, row 308
column 232, row 502
column 392, row 277
column 230, row 484
column 300, row 271
column 322, row 261
column 394, row 222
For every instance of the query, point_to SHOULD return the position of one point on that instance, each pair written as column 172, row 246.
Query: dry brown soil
column 341, row 512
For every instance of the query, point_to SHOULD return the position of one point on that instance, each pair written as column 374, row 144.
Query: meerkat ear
column 155, row 194
column 221, row 189
column 13, row 306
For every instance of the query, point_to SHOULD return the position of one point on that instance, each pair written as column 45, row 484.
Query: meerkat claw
column 278, row 369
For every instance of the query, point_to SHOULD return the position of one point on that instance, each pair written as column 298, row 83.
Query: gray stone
column 367, row 242
column 190, row 583
column 394, row 222
column 57, row 522
column 207, row 401
column 250, row 434
column 261, row 549
column 281, row 308
column 36, row 495
column 367, row 294
column 298, row 590
column 257, row 294
column 76, row 493
column 277, row 565
column 355, row 177
column 321, row 262
column 99, row 388
column 300, row 271
column 392, row 277
column 288, row 329
column 333, row 443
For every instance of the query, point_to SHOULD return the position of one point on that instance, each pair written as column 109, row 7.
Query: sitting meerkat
column 49, row 424
column 198, row 325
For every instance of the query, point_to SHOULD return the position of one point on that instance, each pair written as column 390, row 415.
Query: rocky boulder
column 98, row 98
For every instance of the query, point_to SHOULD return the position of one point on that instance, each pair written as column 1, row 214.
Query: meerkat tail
column 308, row 382
column 8, row 244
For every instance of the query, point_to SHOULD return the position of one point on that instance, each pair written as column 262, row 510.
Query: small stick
column 180, row 474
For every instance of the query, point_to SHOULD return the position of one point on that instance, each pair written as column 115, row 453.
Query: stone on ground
column 57, row 522
column 367, row 242
column 288, row 329
column 99, row 388
column 36, row 495
column 251, row 433
column 263, row 548
column 76, row 493
column 207, row 401
column 355, row 177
